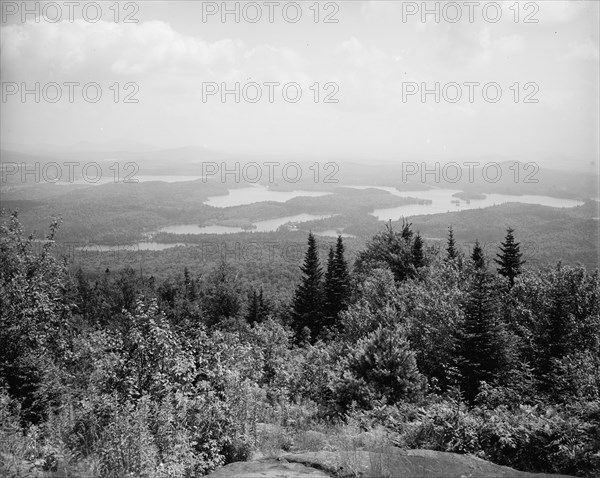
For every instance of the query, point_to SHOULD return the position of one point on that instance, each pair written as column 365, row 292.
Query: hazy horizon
column 371, row 54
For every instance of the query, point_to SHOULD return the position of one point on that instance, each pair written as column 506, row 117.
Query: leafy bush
column 530, row 438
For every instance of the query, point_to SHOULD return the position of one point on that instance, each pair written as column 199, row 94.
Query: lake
column 333, row 233
column 107, row 179
column 257, row 193
column 139, row 246
column 268, row 225
column 442, row 203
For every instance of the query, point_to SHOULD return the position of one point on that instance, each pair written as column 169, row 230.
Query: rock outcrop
column 392, row 463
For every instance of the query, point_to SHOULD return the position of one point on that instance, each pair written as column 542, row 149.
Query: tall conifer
column 308, row 306
column 509, row 260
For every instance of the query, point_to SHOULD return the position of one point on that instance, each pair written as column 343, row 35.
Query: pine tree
column 308, row 306
column 382, row 366
column 451, row 251
column 509, row 259
column 418, row 257
column 477, row 256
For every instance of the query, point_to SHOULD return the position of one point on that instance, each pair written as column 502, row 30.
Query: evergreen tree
column 381, row 366
column 257, row 308
column 418, row 258
column 222, row 294
column 406, row 233
column 308, row 306
column 342, row 275
column 186, row 277
column 337, row 284
column 481, row 351
column 451, row 251
column 509, row 260
column 477, row 256
column 329, row 289
column 263, row 309
column 252, row 314
column 190, row 284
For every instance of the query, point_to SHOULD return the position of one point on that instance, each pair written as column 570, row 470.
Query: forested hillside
column 407, row 344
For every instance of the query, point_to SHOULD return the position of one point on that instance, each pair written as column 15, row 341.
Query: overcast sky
column 372, row 54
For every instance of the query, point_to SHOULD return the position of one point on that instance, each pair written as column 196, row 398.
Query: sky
column 371, row 64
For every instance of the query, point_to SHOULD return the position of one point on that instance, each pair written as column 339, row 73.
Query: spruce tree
column 477, row 256
column 481, row 349
column 337, row 284
column 257, row 307
column 252, row 314
column 329, row 290
column 451, row 251
column 308, row 306
column 189, row 284
column 509, row 259
column 263, row 308
column 418, row 257
column 342, row 273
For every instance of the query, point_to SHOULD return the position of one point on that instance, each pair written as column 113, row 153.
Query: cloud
column 79, row 47
column 556, row 11
column 509, row 43
column 359, row 56
column 168, row 66
column 584, row 51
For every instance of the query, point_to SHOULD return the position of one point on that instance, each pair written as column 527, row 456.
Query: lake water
column 140, row 246
column 257, row 193
column 441, row 202
column 333, row 233
column 194, row 229
column 268, row 225
column 107, row 179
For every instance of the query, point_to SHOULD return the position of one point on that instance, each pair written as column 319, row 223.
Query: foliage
column 121, row 374
column 390, row 249
column 509, row 260
column 381, row 367
column 337, row 285
column 307, row 312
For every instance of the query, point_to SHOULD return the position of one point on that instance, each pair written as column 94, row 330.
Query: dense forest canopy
column 126, row 373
